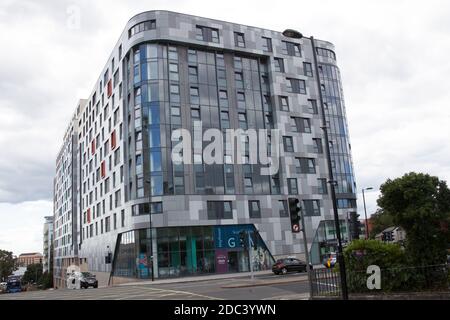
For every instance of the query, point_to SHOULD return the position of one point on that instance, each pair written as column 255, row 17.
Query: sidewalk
column 197, row 278
column 265, row 282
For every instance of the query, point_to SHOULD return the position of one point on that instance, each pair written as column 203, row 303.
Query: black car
column 286, row 265
column 88, row 280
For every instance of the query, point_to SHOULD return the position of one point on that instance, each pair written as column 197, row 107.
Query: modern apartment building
column 128, row 210
column 47, row 243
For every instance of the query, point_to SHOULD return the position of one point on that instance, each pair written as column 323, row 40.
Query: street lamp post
column 365, row 212
column 331, row 181
column 151, row 232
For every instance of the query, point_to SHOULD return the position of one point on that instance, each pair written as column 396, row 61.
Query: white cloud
column 393, row 58
column 22, row 226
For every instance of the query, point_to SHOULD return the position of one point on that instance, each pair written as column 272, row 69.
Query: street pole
column 151, row 238
column 332, row 182
column 250, row 255
column 305, row 243
column 365, row 215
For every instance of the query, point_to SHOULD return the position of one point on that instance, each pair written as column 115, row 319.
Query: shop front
column 188, row 251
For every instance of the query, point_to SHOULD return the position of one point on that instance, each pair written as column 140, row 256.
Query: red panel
column 113, row 140
column 103, row 169
column 89, row 215
column 93, row 146
column 109, row 88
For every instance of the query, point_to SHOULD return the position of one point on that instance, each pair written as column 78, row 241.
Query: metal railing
column 326, row 282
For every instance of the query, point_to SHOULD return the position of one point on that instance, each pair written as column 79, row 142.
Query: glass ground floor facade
column 187, row 251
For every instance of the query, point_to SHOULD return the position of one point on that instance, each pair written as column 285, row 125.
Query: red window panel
column 93, row 146
column 103, row 169
column 113, row 140
column 109, row 88
column 89, row 215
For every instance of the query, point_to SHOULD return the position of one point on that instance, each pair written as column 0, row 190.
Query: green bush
column 390, row 258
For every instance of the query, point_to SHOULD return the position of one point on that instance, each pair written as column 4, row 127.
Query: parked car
column 286, row 265
column 81, row 280
column 13, row 285
column 3, row 286
column 331, row 261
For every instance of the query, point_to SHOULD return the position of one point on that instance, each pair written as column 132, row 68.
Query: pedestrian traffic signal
column 294, row 210
column 242, row 238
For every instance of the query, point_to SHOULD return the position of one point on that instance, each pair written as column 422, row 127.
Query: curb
column 246, row 285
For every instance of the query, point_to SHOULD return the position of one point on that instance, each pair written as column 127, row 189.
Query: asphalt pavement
column 264, row 287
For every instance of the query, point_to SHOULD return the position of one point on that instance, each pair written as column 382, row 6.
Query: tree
column 380, row 221
column 33, row 273
column 7, row 264
column 420, row 204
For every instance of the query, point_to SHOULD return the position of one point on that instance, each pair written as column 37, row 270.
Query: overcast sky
column 393, row 55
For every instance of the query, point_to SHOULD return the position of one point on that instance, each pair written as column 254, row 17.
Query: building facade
column 139, row 213
column 25, row 259
column 47, row 244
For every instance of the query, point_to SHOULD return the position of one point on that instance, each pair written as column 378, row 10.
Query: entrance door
column 233, row 262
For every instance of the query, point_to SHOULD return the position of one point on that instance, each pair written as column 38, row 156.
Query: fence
column 327, row 283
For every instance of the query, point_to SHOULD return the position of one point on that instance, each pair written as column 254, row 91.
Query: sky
column 393, row 57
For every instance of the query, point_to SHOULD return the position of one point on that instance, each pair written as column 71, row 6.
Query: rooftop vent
column 292, row 34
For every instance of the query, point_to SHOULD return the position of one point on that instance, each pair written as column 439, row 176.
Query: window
column 313, row 106
column 296, row 86
column 267, row 44
column 174, row 93
column 117, row 199
column 311, row 207
column 224, row 120
column 242, row 117
column 239, row 40
column 279, row 64
column 193, row 74
column 207, row 34
column 240, row 100
column 292, row 186
column 322, row 186
column 305, row 165
column 195, row 114
column 326, row 53
column 238, row 77
column 307, row 69
column 107, row 224
column 288, row 144
column 275, row 184
column 122, row 218
column 195, row 99
column 318, row 148
column 291, row 49
column 248, row 185
column 173, row 72
column 284, row 103
column 116, row 157
column 302, row 125
column 147, row 208
column 115, row 221
column 140, row 27
column 175, row 115
column 219, row 210
column 223, row 99
column 283, row 208
column 254, row 209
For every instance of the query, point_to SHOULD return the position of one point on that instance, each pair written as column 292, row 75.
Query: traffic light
column 242, row 238
column 294, row 210
column 355, row 225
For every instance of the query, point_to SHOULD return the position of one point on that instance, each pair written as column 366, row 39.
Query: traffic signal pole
column 305, row 243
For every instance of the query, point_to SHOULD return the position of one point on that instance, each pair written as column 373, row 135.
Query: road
column 287, row 287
